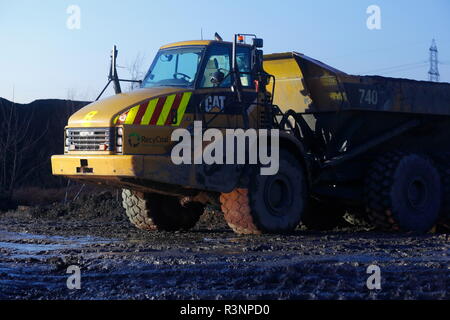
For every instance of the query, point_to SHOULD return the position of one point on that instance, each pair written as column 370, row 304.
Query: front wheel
column 148, row 211
column 271, row 204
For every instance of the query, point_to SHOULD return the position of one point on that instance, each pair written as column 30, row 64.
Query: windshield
column 174, row 67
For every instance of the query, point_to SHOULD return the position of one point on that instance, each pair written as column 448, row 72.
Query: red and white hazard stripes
column 163, row 111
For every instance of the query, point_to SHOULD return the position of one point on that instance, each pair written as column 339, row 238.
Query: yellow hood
column 103, row 112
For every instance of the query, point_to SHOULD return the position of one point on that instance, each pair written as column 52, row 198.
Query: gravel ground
column 117, row 261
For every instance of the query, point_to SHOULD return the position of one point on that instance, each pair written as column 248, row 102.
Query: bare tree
column 16, row 143
column 136, row 70
column 70, row 105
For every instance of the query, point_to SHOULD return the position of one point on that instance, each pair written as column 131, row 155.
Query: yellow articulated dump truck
column 367, row 145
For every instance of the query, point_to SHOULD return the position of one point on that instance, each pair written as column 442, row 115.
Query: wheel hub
column 278, row 195
column 417, row 192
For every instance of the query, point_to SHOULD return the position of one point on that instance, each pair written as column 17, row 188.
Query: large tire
column 272, row 204
column 323, row 215
column 158, row 212
column 403, row 192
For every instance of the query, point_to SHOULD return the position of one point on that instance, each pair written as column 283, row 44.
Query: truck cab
column 125, row 140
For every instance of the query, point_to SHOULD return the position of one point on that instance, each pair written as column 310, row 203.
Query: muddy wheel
column 322, row 215
column 272, row 204
column 158, row 212
column 403, row 192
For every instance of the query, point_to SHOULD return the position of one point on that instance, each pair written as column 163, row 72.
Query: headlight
column 119, row 140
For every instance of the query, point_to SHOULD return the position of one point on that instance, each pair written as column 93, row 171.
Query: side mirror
column 217, row 78
column 257, row 60
column 258, row 42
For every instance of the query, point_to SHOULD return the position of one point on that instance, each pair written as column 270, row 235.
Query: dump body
column 307, row 85
column 348, row 121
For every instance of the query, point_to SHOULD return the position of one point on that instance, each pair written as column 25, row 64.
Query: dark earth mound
column 29, row 135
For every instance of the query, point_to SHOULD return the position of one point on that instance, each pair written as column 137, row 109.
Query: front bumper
column 98, row 165
column 141, row 170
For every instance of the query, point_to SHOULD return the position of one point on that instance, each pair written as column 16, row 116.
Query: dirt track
column 120, row 262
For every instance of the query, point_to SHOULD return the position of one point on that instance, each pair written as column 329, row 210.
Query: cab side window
column 243, row 59
column 218, row 61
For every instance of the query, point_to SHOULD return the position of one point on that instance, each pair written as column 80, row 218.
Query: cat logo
column 88, row 118
column 215, row 104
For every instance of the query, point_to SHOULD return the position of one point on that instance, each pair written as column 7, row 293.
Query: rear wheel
column 159, row 212
column 403, row 192
column 272, row 204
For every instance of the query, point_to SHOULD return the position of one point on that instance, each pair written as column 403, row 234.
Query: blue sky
column 41, row 58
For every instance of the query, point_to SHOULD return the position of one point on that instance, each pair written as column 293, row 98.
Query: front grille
column 90, row 139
